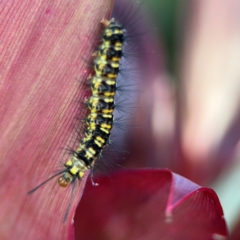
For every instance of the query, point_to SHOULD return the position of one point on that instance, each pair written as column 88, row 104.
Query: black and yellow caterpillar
column 101, row 105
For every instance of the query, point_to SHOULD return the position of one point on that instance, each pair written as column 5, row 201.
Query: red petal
column 149, row 204
column 43, row 46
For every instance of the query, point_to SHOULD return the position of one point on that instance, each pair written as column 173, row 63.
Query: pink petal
column 149, row 204
column 43, row 46
column 210, row 96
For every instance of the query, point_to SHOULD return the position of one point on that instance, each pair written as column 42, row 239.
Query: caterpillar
column 101, row 105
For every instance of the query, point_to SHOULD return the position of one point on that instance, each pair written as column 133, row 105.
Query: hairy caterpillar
column 101, row 105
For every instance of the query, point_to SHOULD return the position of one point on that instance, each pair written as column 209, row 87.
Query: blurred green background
column 168, row 16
